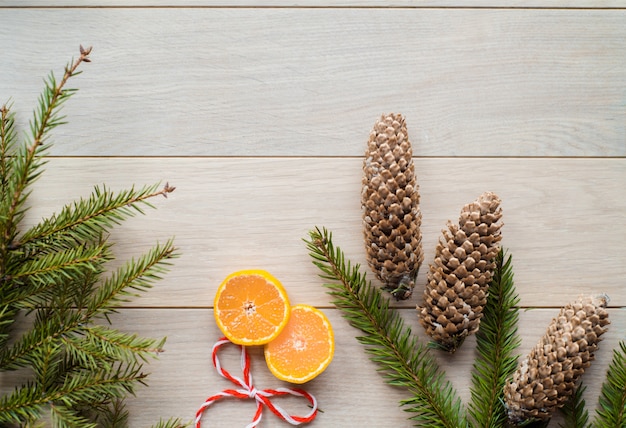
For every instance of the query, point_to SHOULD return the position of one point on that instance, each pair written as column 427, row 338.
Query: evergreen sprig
column 575, row 415
column 406, row 362
column 612, row 410
column 88, row 218
column 54, row 277
column 496, row 342
column 409, row 364
column 22, row 163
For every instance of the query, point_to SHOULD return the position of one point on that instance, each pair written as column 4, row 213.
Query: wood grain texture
column 565, row 219
column 571, row 4
column 302, row 82
column 259, row 117
column 350, row 392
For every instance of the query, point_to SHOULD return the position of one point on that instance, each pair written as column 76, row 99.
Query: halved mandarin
column 304, row 349
column 251, row 307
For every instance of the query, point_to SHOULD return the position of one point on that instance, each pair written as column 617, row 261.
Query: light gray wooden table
column 258, row 112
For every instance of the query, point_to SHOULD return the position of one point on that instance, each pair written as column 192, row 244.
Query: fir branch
column 574, row 412
column 108, row 415
column 115, row 415
column 25, row 166
column 68, row 292
column 97, row 344
column 77, row 389
column 87, row 219
column 405, row 361
column 7, row 316
column 136, row 275
column 171, row 423
column 89, row 386
column 496, row 342
column 62, row 417
column 25, row 351
column 72, row 288
column 80, row 372
column 7, row 142
column 34, row 279
column 8, row 139
column 81, row 353
column 21, row 406
column 47, row 365
column 612, row 410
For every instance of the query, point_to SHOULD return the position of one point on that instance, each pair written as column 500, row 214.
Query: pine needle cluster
column 496, row 342
column 407, row 363
column 612, row 410
column 56, row 292
column 410, row 364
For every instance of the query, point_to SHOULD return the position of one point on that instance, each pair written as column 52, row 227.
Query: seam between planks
column 415, row 7
column 317, row 157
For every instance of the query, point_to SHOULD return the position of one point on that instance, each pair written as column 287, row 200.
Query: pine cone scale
column 459, row 276
column 548, row 375
column 390, row 202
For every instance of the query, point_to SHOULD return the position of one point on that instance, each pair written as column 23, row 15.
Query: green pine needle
column 25, row 165
column 405, row 362
column 8, row 141
column 55, row 276
column 171, row 423
column 612, row 410
column 87, row 219
column 574, row 412
column 408, row 363
column 108, row 415
column 63, row 417
column 36, row 280
column 136, row 275
column 496, row 341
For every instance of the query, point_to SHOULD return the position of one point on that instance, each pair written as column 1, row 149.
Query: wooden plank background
column 259, row 117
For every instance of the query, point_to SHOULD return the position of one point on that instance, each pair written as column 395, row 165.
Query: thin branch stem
column 5, row 125
column 390, row 341
column 496, row 342
column 39, row 132
column 108, row 208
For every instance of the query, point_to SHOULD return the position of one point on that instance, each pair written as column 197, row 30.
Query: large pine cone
column 390, row 202
column 547, row 377
column 458, row 279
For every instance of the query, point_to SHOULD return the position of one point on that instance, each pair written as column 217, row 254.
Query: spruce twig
column 574, row 412
column 109, row 415
column 89, row 218
column 8, row 138
column 405, row 361
column 171, row 423
column 612, row 410
column 24, row 168
column 80, row 371
column 496, row 342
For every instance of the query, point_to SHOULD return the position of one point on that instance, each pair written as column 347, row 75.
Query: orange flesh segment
column 304, row 348
column 251, row 307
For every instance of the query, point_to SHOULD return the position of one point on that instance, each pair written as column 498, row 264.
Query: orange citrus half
column 251, row 307
column 304, row 348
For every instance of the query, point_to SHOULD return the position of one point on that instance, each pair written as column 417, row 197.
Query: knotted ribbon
column 247, row 390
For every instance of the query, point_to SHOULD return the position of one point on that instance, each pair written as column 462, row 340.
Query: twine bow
column 247, row 390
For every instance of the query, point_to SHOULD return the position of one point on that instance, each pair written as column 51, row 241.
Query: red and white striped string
column 247, row 390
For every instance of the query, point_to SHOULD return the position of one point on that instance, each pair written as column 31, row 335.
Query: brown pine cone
column 458, row 278
column 547, row 377
column 390, row 202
